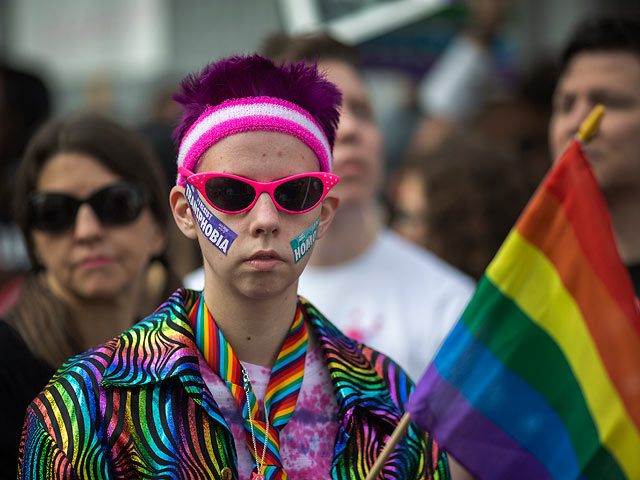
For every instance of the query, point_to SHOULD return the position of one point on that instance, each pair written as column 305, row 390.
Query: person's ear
column 182, row 212
column 327, row 211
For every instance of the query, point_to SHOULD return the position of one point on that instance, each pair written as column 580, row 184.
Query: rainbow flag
column 540, row 378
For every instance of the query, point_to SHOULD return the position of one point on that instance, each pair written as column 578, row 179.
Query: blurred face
column 357, row 154
column 259, row 263
column 90, row 260
column 613, row 79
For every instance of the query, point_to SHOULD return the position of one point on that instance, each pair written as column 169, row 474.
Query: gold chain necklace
column 247, row 387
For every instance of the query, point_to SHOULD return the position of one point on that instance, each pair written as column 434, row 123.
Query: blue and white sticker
column 216, row 232
column 303, row 242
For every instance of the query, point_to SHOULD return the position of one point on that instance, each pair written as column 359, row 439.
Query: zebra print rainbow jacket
column 137, row 407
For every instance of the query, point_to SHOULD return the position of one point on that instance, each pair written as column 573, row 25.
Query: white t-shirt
column 395, row 297
column 308, row 439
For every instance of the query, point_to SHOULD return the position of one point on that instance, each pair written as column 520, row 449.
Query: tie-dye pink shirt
column 307, row 441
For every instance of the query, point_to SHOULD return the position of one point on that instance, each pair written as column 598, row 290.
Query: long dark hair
column 39, row 316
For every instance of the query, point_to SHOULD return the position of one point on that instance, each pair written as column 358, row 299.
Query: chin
column 354, row 196
column 264, row 290
column 263, row 293
column 99, row 292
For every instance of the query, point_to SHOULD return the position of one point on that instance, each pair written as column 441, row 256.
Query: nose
column 87, row 225
column 265, row 217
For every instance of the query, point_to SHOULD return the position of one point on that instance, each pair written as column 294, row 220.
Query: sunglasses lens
column 52, row 212
column 118, row 204
column 229, row 194
column 113, row 205
column 299, row 194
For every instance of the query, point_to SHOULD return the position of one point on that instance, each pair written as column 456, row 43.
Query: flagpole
column 589, row 126
column 396, row 436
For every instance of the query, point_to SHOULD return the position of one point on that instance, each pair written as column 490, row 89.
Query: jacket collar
column 163, row 346
column 159, row 347
column 360, row 390
column 349, row 366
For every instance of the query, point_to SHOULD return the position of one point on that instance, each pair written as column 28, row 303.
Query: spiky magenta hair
column 255, row 76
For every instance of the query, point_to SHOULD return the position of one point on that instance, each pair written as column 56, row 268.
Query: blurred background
column 121, row 56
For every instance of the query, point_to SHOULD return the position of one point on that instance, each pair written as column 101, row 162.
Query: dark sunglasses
column 233, row 194
column 116, row 204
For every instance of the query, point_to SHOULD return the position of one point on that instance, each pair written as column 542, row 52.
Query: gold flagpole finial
column 589, row 126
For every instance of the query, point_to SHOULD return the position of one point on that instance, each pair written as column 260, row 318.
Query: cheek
column 303, row 240
column 138, row 244
column 623, row 133
column 50, row 250
column 373, row 142
column 558, row 136
column 214, row 234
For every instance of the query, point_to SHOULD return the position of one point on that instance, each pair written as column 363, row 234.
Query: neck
column 255, row 328
column 352, row 231
column 97, row 322
column 626, row 225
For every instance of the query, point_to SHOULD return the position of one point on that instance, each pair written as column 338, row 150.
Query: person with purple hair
column 244, row 379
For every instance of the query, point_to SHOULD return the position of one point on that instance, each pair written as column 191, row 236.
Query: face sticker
column 216, row 232
column 303, row 242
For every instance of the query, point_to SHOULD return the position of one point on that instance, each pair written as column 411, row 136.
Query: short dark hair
column 310, row 47
column 117, row 148
column 603, row 34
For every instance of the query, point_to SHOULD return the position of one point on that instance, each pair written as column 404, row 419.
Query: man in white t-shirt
column 375, row 286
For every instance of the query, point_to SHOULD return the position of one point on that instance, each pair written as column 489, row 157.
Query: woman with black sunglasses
column 91, row 203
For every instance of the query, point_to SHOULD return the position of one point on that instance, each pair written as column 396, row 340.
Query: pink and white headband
column 248, row 114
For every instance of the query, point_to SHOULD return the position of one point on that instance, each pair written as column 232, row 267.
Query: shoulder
column 14, row 351
column 397, row 247
column 370, row 380
column 358, row 360
column 22, row 377
column 10, row 340
column 423, row 271
column 393, row 375
column 400, row 387
column 85, row 367
column 141, row 339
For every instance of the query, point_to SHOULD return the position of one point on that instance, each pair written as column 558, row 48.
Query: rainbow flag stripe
column 540, row 379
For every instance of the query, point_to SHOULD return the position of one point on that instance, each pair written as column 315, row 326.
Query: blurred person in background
column 463, row 78
column 164, row 116
column 460, row 200
column 466, row 91
column 91, row 203
column 601, row 65
column 157, row 127
column 24, row 105
column 519, row 120
column 377, row 287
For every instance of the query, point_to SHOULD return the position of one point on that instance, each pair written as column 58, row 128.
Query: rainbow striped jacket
column 137, row 407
